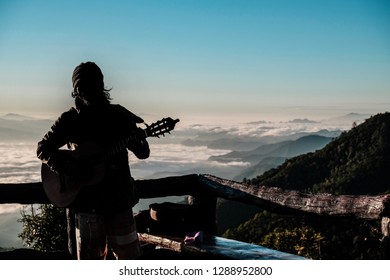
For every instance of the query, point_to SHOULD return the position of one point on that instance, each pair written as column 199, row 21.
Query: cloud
column 19, row 163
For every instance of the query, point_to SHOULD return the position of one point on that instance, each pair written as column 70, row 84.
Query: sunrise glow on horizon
column 200, row 59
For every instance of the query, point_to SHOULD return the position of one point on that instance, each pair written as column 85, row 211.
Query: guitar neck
column 156, row 129
column 118, row 147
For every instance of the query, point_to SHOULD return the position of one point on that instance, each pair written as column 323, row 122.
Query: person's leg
column 90, row 236
column 71, row 230
column 122, row 235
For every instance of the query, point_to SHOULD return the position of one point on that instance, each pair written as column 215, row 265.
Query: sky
column 200, row 59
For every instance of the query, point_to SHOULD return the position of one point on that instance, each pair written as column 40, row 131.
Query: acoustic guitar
column 62, row 189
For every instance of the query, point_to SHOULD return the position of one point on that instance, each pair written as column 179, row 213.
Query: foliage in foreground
column 312, row 237
column 44, row 228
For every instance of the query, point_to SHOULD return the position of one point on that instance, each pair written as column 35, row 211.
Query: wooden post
column 385, row 225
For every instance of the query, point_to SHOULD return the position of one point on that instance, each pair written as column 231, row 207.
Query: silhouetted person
column 103, row 210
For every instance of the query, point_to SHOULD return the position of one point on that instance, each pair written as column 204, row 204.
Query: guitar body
column 62, row 189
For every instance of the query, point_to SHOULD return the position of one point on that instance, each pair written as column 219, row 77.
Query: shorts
column 96, row 234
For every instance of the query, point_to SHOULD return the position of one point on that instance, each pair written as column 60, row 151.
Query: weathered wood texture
column 385, row 226
column 174, row 244
column 278, row 199
column 215, row 247
column 273, row 199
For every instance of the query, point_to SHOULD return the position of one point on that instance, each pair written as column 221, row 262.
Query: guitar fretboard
column 117, row 147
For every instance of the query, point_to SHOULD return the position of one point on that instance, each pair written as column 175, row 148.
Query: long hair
column 88, row 85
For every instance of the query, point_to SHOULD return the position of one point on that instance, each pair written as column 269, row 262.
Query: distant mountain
column 219, row 138
column 259, row 168
column 224, row 143
column 350, row 118
column 284, row 149
column 257, row 122
column 235, row 142
column 356, row 162
column 270, row 156
column 14, row 127
column 302, row 121
column 16, row 117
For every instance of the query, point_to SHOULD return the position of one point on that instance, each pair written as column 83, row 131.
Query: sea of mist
column 186, row 150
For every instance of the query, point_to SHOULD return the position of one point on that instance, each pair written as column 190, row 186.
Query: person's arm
column 139, row 146
column 47, row 149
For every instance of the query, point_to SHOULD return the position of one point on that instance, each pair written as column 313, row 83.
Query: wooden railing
column 208, row 187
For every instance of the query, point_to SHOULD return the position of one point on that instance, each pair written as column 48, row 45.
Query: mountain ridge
column 356, row 162
column 268, row 156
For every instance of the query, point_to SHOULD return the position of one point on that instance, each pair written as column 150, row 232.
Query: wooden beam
column 269, row 198
column 23, row 193
column 278, row 199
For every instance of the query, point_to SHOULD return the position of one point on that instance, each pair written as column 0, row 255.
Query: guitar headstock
column 165, row 125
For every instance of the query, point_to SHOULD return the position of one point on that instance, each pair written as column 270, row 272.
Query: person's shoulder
column 118, row 107
column 69, row 115
column 125, row 112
